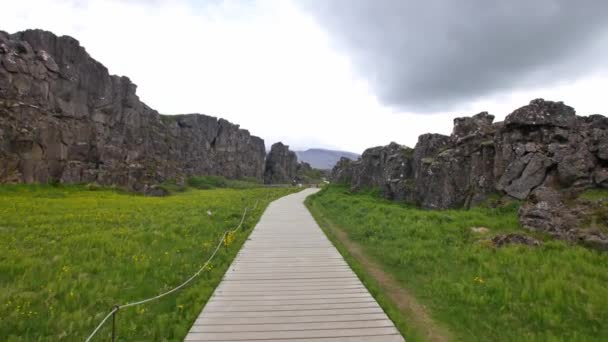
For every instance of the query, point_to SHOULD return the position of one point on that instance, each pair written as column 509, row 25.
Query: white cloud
column 264, row 65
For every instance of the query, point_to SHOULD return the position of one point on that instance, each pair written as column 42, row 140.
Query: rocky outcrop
column 543, row 143
column 281, row 165
column 342, row 173
column 389, row 168
column 546, row 211
column 455, row 171
column 539, row 148
column 64, row 118
column 303, row 169
column 322, row 159
column 440, row 172
column 502, row 240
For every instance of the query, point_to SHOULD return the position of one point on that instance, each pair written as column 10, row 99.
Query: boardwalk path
column 289, row 282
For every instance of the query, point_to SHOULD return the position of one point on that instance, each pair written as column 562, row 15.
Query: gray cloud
column 428, row 55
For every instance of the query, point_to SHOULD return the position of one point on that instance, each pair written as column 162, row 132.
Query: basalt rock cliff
column 542, row 153
column 64, row 118
column 283, row 167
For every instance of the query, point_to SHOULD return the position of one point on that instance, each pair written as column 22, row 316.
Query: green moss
column 596, row 194
column 445, row 153
column 172, row 186
column 597, row 219
column 167, row 119
column 409, row 184
column 408, row 152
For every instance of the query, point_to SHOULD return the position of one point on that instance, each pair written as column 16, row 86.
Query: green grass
column 596, row 217
column 596, row 194
column 399, row 319
column 556, row 292
column 215, row 182
column 68, row 254
column 311, row 176
column 210, row 182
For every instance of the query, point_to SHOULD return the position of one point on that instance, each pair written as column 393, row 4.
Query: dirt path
column 415, row 313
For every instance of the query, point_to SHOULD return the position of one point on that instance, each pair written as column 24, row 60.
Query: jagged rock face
column 466, row 128
column 303, row 167
column 342, row 173
column 387, row 167
column 545, row 211
column 456, row 171
column 64, row 118
column 543, row 143
column 428, row 146
column 596, row 128
column 281, row 165
column 542, row 149
column 441, row 172
column 302, row 170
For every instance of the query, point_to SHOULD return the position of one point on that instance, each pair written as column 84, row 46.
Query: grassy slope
column 555, row 292
column 406, row 319
column 67, row 255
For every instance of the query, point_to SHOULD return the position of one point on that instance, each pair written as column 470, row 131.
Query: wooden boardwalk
column 289, row 283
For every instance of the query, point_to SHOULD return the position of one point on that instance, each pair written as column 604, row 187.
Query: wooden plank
column 263, row 282
column 382, row 338
column 204, row 320
column 277, row 290
column 377, row 323
column 246, row 307
column 298, row 276
column 238, row 296
column 294, row 334
column 300, row 296
column 249, row 268
column 320, row 312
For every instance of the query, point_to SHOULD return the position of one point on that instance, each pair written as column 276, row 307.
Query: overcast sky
column 341, row 74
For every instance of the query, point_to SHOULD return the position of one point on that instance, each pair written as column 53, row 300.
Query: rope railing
column 112, row 313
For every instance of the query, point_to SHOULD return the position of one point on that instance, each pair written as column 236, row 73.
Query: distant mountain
column 323, row 159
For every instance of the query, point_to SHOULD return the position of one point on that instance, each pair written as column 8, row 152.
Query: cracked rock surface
column 64, row 118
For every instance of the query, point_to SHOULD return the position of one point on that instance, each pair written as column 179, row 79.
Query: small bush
column 251, row 180
column 207, row 182
column 215, row 182
column 172, row 186
column 93, row 187
column 596, row 194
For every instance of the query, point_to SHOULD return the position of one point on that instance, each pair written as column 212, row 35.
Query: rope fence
column 112, row 313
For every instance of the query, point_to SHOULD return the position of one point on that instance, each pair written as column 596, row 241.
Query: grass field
column 556, row 292
column 68, row 254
